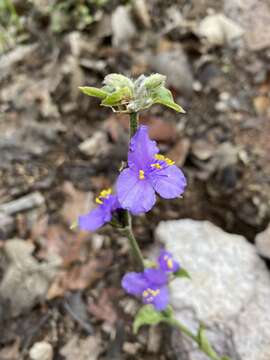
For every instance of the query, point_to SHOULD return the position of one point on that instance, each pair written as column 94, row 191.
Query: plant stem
column 133, row 244
column 210, row 352
column 126, row 218
column 133, row 123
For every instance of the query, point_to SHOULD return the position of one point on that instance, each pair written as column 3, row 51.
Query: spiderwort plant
column 148, row 173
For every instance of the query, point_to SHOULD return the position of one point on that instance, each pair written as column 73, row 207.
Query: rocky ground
column 59, row 290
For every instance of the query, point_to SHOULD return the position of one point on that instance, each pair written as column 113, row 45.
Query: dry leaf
column 104, row 309
column 76, row 203
column 79, row 277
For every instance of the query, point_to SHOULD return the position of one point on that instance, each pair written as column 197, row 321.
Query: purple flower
column 96, row 218
column 167, row 263
column 151, row 285
column 148, row 172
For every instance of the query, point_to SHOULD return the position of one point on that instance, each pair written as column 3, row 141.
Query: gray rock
column 174, row 65
column 219, row 30
column 123, row 28
column 7, row 225
column 96, row 145
column 229, row 291
column 262, row 241
column 41, row 351
column 25, row 280
column 254, row 17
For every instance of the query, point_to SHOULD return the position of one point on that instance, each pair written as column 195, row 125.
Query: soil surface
column 222, row 144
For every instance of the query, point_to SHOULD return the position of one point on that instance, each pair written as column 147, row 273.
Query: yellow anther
column 151, row 292
column 145, row 293
column 159, row 157
column 104, row 194
column 99, row 201
column 170, row 263
column 157, row 166
column 168, row 161
column 141, row 174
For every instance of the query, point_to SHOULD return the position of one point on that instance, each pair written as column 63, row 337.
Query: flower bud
column 153, row 81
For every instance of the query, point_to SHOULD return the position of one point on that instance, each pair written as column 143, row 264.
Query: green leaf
column 225, row 358
column 182, row 273
column 205, row 344
column 171, row 105
column 164, row 96
column 147, row 315
column 92, row 91
column 117, row 97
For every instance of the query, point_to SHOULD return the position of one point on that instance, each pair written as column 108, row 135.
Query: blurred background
column 60, row 294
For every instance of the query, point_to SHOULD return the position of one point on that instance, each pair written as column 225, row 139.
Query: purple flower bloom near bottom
column 167, row 263
column 151, row 285
column 96, row 218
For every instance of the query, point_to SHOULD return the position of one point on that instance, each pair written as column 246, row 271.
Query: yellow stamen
column 157, row 166
column 168, row 161
column 141, row 174
column 159, row 157
column 170, row 263
column 151, row 292
column 99, row 201
column 104, row 194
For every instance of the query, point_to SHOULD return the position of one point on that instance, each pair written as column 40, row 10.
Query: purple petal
column 141, row 149
column 169, row 183
column 93, row 220
column 138, row 196
column 161, row 301
column 134, row 283
column 156, row 277
column 167, row 263
column 110, row 205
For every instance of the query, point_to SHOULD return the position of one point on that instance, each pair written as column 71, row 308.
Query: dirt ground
column 48, row 178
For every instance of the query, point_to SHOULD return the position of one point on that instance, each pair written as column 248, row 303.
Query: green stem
column 133, row 123
column 134, row 245
column 210, row 352
column 126, row 218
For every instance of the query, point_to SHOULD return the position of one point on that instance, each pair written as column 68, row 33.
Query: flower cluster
column 152, row 284
column 148, row 172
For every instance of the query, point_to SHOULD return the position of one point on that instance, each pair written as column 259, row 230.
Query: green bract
column 147, row 315
column 124, row 95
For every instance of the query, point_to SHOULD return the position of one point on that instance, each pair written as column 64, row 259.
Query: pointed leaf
column 164, row 96
column 171, row 105
column 92, row 91
column 182, row 273
column 147, row 315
